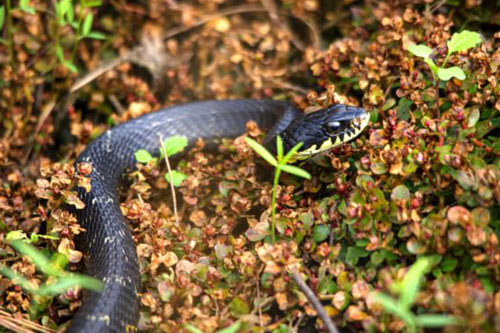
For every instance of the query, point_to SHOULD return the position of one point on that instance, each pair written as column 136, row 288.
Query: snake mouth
column 350, row 124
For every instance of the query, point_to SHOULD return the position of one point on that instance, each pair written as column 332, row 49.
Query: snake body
column 110, row 252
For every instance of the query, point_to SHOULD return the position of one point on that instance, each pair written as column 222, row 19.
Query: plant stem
column 438, row 111
column 445, row 60
column 172, row 188
column 10, row 42
column 77, row 33
column 273, row 204
column 316, row 304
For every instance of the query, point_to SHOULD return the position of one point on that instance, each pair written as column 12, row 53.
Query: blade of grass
column 263, row 152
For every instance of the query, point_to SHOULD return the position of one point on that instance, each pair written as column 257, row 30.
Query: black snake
column 107, row 243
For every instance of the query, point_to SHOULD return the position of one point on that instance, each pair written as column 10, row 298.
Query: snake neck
column 283, row 127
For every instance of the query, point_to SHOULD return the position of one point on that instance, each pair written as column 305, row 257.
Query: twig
column 259, row 306
column 329, row 325
column 91, row 76
column 437, row 6
column 116, row 103
column 41, row 120
column 286, row 85
column 21, row 325
column 172, row 188
column 438, row 110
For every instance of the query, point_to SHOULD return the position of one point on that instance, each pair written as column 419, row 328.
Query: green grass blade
column 436, row 320
column 292, row 152
column 411, row 282
column 262, row 151
column 17, row 279
column 192, row 329
column 279, row 147
column 393, row 307
column 40, row 260
column 295, row 171
column 65, row 283
column 231, row 329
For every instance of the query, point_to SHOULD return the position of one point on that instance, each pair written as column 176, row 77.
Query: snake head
column 324, row 129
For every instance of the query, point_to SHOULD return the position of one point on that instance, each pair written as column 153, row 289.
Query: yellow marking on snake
column 328, row 144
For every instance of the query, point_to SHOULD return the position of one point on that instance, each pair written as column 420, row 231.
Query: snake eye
column 333, row 126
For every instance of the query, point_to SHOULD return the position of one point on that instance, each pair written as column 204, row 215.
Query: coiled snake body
column 107, row 243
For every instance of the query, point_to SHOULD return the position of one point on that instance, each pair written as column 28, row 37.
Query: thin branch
column 116, row 103
column 92, row 75
column 286, row 85
column 41, row 120
column 172, row 188
column 21, row 324
column 329, row 325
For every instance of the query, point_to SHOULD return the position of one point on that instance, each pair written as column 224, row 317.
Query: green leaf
column 177, row 177
column 292, row 152
column 239, row 306
column 70, row 66
column 231, row 329
column 432, row 65
column 262, row 151
column 15, row 235
column 35, row 237
column 420, row 50
column 377, row 258
column 404, row 106
column 392, row 306
column 192, row 329
column 411, row 282
column 65, row 283
column 58, row 8
column 279, row 147
column 449, row 264
column 143, row 156
column 70, row 13
column 174, row 144
column 87, row 24
column 64, row 7
column 435, row 320
column 23, row 5
column 40, row 260
column 96, row 35
column 295, row 171
column 17, row 279
column 446, row 74
column 2, row 16
column 463, row 41
column 320, row 232
column 60, row 53
column 91, row 3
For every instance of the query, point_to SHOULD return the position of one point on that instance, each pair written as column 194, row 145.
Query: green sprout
column 279, row 164
column 459, row 42
column 63, row 19
column 170, row 147
column 408, row 289
column 59, row 281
